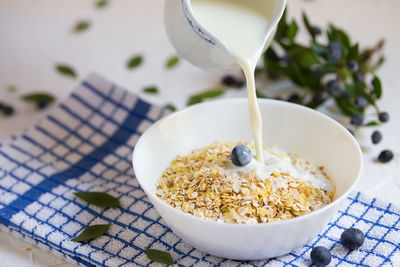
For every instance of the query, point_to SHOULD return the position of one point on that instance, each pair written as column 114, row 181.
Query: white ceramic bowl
column 290, row 127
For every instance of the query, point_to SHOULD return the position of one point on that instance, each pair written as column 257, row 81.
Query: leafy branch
column 337, row 70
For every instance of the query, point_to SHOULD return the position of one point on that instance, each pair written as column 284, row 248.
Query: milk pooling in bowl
column 243, row 27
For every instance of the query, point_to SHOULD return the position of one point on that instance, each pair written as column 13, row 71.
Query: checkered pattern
column 85, row 145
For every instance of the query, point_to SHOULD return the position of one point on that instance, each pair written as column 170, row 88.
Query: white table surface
column 34, row 35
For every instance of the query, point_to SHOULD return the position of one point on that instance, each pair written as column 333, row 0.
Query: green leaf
column 371, row 124
column 319, row 49
column 211, row 93
column 198, row 98
column 159, row 256
column 134, row 62
column 282, row 27
column 346, row 107
column 172, row 62
column 313, row 78
column 377, row 91
column 194, row 100
column 293, row 71
column 151, row 90
column 36, row 98
column 351, row 89
column 66, row 70
column 308, row 25
column 304, row 56
column 353, row 52
column 170, row 107
column 99, row 199
column 81, row 26
column 292, row 30
column 101, row 3
column 92, row 232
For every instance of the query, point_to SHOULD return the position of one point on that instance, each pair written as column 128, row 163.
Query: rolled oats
column 198, row 184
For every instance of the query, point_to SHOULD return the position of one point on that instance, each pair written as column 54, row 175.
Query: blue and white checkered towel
column 85, row 144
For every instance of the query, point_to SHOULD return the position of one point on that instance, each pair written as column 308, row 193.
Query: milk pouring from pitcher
column 199, row 45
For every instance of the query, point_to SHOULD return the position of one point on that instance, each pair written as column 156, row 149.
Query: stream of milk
column 242, row 25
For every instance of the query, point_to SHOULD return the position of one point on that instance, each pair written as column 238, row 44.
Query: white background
column 34, row 35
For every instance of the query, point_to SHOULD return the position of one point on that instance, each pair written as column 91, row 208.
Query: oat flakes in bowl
column 207, row 184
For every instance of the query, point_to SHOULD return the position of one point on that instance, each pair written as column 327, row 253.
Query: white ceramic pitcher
column 199, row 46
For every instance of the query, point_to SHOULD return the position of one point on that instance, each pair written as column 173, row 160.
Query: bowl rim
column 335, row 202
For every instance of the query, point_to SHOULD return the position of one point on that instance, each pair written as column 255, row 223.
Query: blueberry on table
column 318, row 97
column 383, row 117
column 228, row 80
column 333, row 88
column 8, row 110
column 239, row 83
column 316, row 30
column 360, row 78
column 42, row 104
column 241, row 155
column 294, row 98
column 361, row 102
column 352, row 238
column 376, row 137
column 320, row 256
column 357, row 119
column 352, row 66
column 385, row 156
